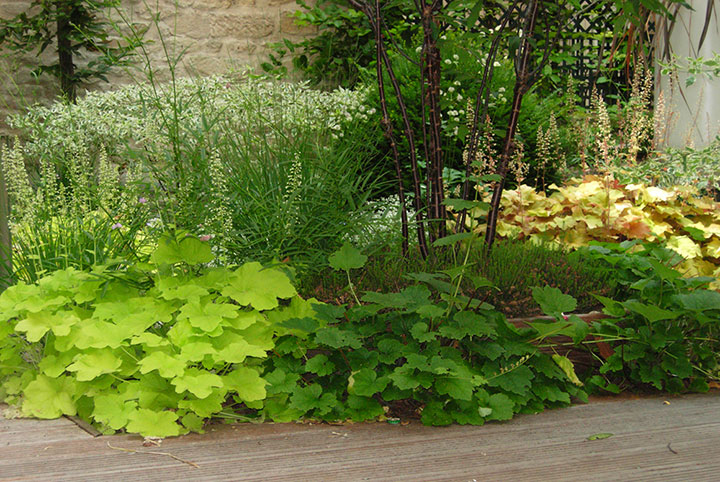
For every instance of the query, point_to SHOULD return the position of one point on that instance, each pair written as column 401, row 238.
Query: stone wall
column 213, row 36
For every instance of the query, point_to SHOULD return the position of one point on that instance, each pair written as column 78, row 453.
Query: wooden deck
column 652, row 440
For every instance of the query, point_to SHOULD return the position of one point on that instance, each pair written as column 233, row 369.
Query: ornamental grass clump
column 217, row 156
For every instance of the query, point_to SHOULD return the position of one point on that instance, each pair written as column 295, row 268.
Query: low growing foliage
column 155, row 354
column 666, row 333
column 602, row 209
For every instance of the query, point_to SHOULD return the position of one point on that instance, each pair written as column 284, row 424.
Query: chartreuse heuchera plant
column 153, row 352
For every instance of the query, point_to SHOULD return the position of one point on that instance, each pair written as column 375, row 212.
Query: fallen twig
column 149, row 452
column 670, row 449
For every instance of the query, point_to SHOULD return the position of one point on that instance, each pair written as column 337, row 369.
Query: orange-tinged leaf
column 636, row 229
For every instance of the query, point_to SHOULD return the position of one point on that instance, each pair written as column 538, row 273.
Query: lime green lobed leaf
column 13, row 296
column 151, row 423
column 205, row 407
column 166, row 365
column 198, row 382
column 248, row 384
column 181, row 248
column 36, row 325
column 207, row 316
column 47, row 397
column 252, row 285
column 94, row 363
column 113, row 410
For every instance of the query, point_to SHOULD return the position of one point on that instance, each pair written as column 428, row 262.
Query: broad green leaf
column 582, row 329
column 466, row 323
column 366, row 383
column 54, row 365
column 151, row 423
column 40, row 303
column 405, row 378
column 236, row 350
column 258, row 287
column 47, row 397
column 180, row 288
column 460, row 204
column 435, row 413
column 248, row 384
column 280, row 381
column 153, row 391
column 600, row 436
column 196, row 351
column 612, row 307
column 166, row 365
column 411, row 298
column 337, row 338
column 455, row 387
column 113, row 410
column 149, row 339
column 36, row 325
column 515, row 380
column 363, row 408
column 198, row 382
column 663, row 271
column 14, row 296
column 547, row 329
column 568, row 368
column 207, row 316
column 552, row 301
column 309, row 398
column 205, row 407
column 346, row 258
column 551, row 393
column 699, row 300
column 193, row 422
column 320, row 365
column 178, row 249
column 651, row 312
column 93, row 363
column 420, row 332
column 452, row 239
column 502, row 407
column 390, row 349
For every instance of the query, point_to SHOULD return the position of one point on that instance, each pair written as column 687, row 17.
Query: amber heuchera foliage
column 599, row 208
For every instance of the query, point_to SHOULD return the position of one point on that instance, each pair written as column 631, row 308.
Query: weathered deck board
column 548, row 446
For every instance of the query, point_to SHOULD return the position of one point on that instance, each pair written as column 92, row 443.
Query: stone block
column 251, row 25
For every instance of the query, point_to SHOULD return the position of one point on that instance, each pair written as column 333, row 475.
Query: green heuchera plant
column 666, row 333
column 454, row 359
column 154, row 349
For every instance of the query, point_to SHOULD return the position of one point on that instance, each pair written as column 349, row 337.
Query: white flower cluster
column 143, row 114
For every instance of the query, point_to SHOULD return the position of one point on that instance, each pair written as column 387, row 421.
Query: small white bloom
column 456, row 57
column 448, row 61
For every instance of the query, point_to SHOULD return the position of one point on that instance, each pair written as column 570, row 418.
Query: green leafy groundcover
column 159, row 348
